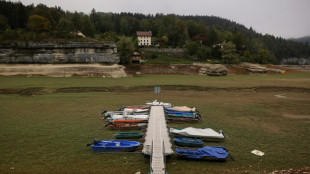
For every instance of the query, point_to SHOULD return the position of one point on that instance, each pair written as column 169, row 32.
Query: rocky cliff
column 63, row 70
column 296, row 61
column 55, row 53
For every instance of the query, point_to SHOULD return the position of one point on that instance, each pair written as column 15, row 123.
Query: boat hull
column 188, row 142
column 128, row 135
column 115, row 146
column 127, row 127
column 205, row 153
column 182, row 119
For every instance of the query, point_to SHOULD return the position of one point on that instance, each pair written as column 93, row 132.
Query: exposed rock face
column 53, row 53
column 63, row 70
column 305, row 68
column 296, row 61
column 254, row 68
column 212, row 69
column 258, row 69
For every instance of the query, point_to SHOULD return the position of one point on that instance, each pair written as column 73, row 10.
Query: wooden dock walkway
column 157, row 141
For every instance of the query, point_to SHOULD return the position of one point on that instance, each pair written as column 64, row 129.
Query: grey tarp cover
column 197, row 132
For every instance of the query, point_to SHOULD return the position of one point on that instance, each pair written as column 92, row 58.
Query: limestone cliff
column 55, row 53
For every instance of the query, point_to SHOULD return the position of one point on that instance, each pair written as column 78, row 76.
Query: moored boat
column 138, row 107
column 204, row 153
column 182, row 119
column 128, row 126
column 115, row 146
column 188, row 142
column 182, row 114
column 207, row 134
column 128, row 135
column 128, row 117
column 127, row 113
column 181, row 109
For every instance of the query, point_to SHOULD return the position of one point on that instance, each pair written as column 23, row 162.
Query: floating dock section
column 157, row 143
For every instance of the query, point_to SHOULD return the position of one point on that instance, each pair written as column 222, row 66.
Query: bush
column 192, row 48
column 154, row 56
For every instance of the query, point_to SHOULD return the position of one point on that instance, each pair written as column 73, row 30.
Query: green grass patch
column 47, row 133
column 298, row 80
column 167, row 58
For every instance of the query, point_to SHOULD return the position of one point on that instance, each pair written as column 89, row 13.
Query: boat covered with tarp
column 207, row 134
column 115, row 145
column 135, row 107
column 204, row 153
column 181, row 109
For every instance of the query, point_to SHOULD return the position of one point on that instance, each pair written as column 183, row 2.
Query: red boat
column 128, row 124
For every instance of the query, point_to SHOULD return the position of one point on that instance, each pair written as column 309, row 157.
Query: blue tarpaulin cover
column 207, row 151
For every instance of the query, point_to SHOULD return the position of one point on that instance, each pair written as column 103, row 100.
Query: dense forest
column 203, row 36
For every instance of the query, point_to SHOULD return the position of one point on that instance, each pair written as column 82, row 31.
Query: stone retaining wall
column 164, row 50
column 55, row 53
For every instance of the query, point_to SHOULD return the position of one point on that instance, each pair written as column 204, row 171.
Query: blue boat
column 205, row 153
column 188, row 142
column 192, row 115
column 115, row 146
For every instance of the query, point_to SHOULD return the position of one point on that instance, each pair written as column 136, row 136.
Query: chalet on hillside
column 136, row 57
column 145, row 38
column 200, row 39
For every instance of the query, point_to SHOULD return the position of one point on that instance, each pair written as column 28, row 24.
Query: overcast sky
column 285, row 18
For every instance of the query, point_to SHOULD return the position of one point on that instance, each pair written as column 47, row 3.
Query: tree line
column 218, row 38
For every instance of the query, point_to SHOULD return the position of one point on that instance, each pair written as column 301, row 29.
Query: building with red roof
column 145, row 38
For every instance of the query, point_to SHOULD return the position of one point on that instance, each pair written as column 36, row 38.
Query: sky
column 281, row 18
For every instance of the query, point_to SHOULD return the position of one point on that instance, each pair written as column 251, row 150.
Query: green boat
column 128, row 135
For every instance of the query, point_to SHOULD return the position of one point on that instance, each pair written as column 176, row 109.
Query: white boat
column 127, row 114
column 207, row 134
column 141, row 113
column 156, row 103
column 128, row 117
column 181, row 109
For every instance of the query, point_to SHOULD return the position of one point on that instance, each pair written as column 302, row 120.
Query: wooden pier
column 157, row 141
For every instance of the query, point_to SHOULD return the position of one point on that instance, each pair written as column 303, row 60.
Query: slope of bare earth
column 63, row 70
column 116, row 71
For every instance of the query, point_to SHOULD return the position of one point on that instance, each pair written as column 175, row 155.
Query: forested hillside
column 305, row 40
column 219, row 38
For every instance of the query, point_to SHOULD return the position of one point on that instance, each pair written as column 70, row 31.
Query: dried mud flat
column 41, row 90
column 296, row 116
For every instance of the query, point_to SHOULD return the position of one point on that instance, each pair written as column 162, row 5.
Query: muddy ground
column 115, row 71
column 41, row 90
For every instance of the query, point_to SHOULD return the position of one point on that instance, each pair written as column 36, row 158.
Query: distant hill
column 218, row 38
column 305, row 39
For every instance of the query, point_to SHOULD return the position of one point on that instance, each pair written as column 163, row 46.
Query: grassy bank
column 47, row 133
